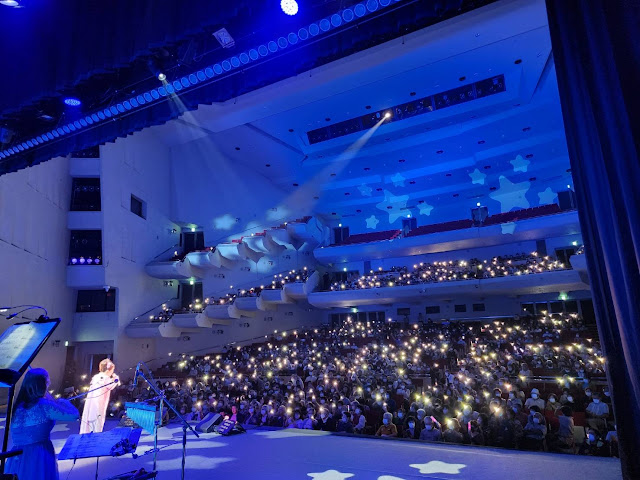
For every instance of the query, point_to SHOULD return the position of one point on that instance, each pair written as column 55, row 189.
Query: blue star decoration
column 396, row 204
column 372, row 222
column 520, row 164
column 511, row 195
column 365, row 190
column 477, row 177
column 225, row 222
column 435, row 466
column 425, row 209
column 547, row 196
column 398, row 180
column 330, row 475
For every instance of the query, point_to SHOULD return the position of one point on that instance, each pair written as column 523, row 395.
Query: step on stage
column 298, row 454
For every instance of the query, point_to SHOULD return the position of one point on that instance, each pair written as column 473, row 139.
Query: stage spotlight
column 162, row 77
column 10, row 3
column 72, row 102
column 387, row 115
column 290, row 7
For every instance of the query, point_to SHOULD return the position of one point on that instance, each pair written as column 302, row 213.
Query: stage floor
column 300, row 454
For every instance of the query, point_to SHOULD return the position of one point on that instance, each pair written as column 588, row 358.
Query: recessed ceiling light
column 439, row 151
column 518, row 61
column 402, row 160
column 481, row 142
column 295, row 185
column 487, row 167
column 366, row 169
column 237, row 148
column 532, row 179
column 413, row 94
column 291, row 129
column 448, row 175
column 529, row 155
column 456, row 194
column 328, row 119
column 347, row 193
column 462, row 79
column 358, row 211
column 526, row 129
column 368, row 107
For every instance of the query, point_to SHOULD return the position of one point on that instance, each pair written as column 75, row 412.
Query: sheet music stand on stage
column 19, row 345
column 90, row 445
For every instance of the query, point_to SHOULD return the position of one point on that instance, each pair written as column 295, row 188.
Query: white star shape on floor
column 520, row 164
column 196, row 462
column 396, row 202
column 225, row 222
column 389, row 477
column 477, row 177
column 511, row 195
column 330, row 475
column 292, row 432
column 547, row 196
column 365, row 190
column 508, row 228
column 436, row 466
column 398, row 180
column 372, row 222
column 425, row 209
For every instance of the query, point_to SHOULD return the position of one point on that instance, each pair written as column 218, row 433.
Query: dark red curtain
column 596, row 46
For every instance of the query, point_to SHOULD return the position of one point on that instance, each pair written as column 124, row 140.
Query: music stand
column 19, row 345
column 89, row 445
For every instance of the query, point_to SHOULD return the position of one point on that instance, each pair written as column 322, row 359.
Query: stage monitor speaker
column 229, row 427
column 567, row 200
column 209, row 423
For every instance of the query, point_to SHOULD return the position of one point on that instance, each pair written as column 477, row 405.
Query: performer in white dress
column 95, row 407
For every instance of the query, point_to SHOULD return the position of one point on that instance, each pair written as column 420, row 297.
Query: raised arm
column 60, row 409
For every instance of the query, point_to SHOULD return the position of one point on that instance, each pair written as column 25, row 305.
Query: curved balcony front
column 312, row 232
column 279, row 236
column 203, row 260
column 269, row 298
column 248, row 304
column 579, row 264
column 148, row 329
column 197, row 320
column 295, row 291
column 221, row 312
column 252, row 248
column 170, row 270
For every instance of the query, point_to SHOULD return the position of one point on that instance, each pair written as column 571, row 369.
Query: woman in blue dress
column 35, row 415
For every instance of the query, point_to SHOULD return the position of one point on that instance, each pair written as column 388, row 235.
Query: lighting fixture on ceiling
column 10, row 3
column 72, row 102
column 290, row 7
column 162, row 77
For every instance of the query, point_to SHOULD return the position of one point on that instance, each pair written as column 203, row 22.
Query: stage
column 300, row 454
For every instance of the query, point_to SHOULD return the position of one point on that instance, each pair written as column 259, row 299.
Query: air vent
column 449, row 98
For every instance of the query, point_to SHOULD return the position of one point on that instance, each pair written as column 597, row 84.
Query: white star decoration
column 511, row 195
column 398, row 180
column 330, row 475
column 389, row 477
column 425, row 209
column 365, row 190
column 508, row 228
column 547, row 196
column 436, row 466
column 224, row 222
column 292, row 432
column 520, row 164
column 397, row 204
column 477, row 177
column 372, row 222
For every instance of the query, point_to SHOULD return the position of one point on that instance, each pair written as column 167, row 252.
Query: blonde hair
column 105, row 365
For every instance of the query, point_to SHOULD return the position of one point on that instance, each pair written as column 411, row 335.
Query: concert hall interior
column 281, row 230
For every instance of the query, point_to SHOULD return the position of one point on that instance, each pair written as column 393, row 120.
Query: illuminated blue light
column 193, row 79
column 292, row 38
column 127, row 105
column 60, row 131
column 325, row 25
column 282, row 42
column 170, row 88
column 30, row 143
column 372, row 5
column 140, row 99
column 12, row 151
column 134, row 102
column 314, row 30
column 226, row 65
column 120, row 108
column 336, row 20
column 235, row 62
column 303, row 33
column 107, row 112
column 89, row 120
column 209, row 72
column 71, row 127
column 50, row 136
column 244, row 58
column 162, row 91
column 95, row 117
column 155, row 94
column 185, row 82
column 253, row 54
column 347, row 15
column 201, row 76
column 1, row 154
column 360, row 10
column 101, row 115
column 57, row 132
column 273, row 46
column 385, row 3
column 113, row 110
column 217, row 68
column 39, row 139
column 83, row 122
column 77, row 124
column 66, row 129
column 263, row 51
column 177, row 85
column 290, row 7
column 72, row 102
column 20, row 148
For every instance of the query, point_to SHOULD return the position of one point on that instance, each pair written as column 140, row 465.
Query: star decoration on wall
column 508, row 228
column 435, row 466
column 547, row 196
column 330, row 475
column 365, row 190
column 372, row 222
column 225, row 222
column 520, row 164
column 511, row 195
column 398, row 180
column 397, row 203
column 477, row 177
column 425, row 209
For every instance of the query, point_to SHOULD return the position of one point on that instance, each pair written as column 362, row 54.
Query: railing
column 143, row 317
column 173, row 247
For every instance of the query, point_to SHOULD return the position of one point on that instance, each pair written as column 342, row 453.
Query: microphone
column 135, row 378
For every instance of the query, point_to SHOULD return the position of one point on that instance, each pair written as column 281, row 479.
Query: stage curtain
column 596, row 47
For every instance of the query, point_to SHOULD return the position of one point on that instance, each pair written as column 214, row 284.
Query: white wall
column 34, row 248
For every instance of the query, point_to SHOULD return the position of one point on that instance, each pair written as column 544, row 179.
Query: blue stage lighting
column 201, row 76
column 273, row 46
column 113, row 110
column 325, row 25
column 253, row 54
column 155, row 94
column 39, row 139
column 193, row 79
column 226, row 65
column 235, row 62
column 140, row 99
column 89, row 120
column 282, row 42
column 57, row 132
column 77, row 124
column 347, row 15
column 385, row 3
column 372, row 5
column 162, row 91
column 127, row 105
column 359, row 10
column 72, row 102
column 314, row 29
column 71, row 127
column 290, row 7
column 83, row 122
column 209, row 72
column 120, row 108
column 30, row 143
column 303, row 33
column 336, row 20
column 292, row 38
column 170, row 88
column 177, row 85
column 50, row 136
column 244, row 58
column 217, row 68
column 134, row 102
column 185, row 82
column 263, row 51
column 66, row 129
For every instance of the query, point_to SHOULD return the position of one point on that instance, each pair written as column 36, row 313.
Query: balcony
column 172, row 269
column 85, row 276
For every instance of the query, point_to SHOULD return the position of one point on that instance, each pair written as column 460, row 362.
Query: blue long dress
column 30, row 429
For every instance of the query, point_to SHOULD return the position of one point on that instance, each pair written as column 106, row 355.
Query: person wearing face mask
column 410, row 429
column 552, row 404
column 467, row 415
column 325, row 422
column 358, row 420
column 534, row 400
column 597, row 413
column 345, row 425
column 593, row 445
column 387, row 429
column 430, row 432
column 296, row 421
column 606, row 396
column 534, row 432
column 253, row 419
column 563, row 440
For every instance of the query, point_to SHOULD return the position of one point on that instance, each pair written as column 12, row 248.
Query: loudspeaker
column 229, row 427
column 567, row 200
column 209, row 423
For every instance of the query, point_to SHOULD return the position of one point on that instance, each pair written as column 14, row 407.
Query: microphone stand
column 185, row 424
column 97, row 388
